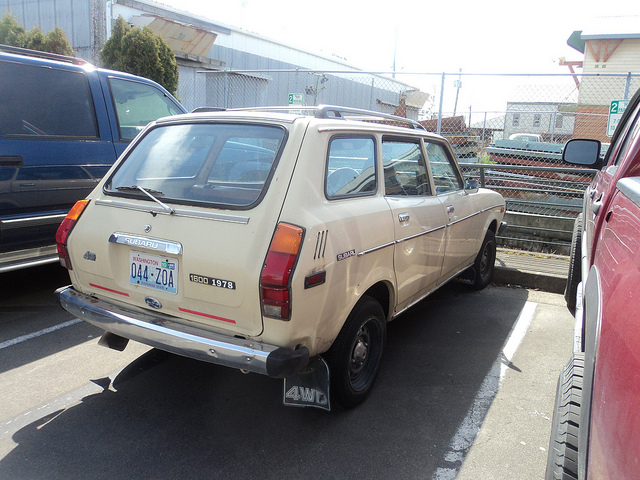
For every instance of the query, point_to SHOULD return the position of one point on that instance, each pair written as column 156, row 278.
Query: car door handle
column 11, row 161
column 597, row 205
column 451, row 210
column 403, row 217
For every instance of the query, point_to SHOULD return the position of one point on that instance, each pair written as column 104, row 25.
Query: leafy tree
column 56, row 42
column 112, row 49
column 13, row 34
column 35, row 40
column 141, row 52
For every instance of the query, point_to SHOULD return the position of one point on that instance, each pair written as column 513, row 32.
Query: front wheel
column 562, row 457
column 354, row 358
column 485, row 262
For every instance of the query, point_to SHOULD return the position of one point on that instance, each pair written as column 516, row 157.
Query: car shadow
column 28, row 305
column 166, row 416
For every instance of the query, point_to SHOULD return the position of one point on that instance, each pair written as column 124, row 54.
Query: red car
column 596, row 425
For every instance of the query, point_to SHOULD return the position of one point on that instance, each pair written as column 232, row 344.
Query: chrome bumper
column 163, row 332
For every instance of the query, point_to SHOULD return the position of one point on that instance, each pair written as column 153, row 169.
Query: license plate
column 153, row 271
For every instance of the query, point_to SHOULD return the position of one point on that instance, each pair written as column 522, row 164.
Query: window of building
column 537, row 119
column 516, row 120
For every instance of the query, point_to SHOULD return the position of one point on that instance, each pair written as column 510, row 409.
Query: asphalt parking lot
column 466, row 391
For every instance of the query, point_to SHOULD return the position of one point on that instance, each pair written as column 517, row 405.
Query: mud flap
column 310, row 388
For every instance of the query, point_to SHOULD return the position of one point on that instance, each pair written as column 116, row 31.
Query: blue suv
column 63, row 123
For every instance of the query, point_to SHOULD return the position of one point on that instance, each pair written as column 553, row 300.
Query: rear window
column 201, row 163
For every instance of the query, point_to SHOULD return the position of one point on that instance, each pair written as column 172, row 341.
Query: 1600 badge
column 214, row 282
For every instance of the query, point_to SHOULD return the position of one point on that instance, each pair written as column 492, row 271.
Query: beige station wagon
column 276, row 243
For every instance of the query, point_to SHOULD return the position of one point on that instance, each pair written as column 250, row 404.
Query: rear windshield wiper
column 149, row 192
column 136, row 188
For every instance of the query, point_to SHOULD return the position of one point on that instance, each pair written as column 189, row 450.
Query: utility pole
column 395, row 49
column 457, row 84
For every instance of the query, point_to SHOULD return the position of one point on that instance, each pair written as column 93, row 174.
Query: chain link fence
column 507, row 130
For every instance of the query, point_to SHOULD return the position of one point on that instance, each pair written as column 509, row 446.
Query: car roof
column 37, row 58
column 325, row 116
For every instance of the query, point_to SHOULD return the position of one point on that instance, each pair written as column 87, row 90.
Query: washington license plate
column 153, row 271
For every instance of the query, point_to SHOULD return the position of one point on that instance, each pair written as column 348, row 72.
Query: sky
column 493, row 36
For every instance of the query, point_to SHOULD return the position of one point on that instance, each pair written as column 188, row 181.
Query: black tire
column 485, row 262
column 562, row 459
column 575, row 265
column 354, row 358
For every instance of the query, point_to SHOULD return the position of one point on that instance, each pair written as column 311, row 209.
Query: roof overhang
column 181, row 37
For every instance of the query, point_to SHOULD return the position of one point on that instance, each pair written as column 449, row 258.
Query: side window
column 137, row 104
column 351, row 167
column 45, row 102
column 445, row 177
column 405, row 171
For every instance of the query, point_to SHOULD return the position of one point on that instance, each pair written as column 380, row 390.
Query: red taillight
column 65, row 229
column 277, row 270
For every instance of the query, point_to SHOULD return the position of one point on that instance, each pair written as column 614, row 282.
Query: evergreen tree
column 13, row 34
column 141, row 52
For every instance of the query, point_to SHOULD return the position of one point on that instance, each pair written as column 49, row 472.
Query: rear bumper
column 163, row 332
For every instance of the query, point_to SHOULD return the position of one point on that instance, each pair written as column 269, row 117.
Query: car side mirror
column 583, row 152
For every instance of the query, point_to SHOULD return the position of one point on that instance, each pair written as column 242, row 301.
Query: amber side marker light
column 275, row 291
column 62, row 235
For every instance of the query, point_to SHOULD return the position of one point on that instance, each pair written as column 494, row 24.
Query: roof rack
column 332, row 111
column 49, row 56
column 208, row 109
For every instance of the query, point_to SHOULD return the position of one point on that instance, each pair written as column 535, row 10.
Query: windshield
column 200, row 163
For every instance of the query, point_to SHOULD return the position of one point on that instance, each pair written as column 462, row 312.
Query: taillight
column 62, row 235
column 278, row 267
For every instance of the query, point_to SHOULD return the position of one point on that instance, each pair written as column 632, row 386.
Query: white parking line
column 29, row 336
column 470, row 426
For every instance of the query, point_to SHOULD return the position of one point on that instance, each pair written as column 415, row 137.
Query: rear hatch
column 183, row 224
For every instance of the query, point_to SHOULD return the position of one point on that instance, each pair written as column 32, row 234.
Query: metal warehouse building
column 220, row 65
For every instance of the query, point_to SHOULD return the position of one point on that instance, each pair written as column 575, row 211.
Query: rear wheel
column 485, row 262
column 562, row 460
column 354, row 358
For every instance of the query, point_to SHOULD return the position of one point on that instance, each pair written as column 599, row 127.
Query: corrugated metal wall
column 73, row 16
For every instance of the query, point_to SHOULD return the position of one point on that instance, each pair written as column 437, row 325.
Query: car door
column 464, row 226
column 418, row 218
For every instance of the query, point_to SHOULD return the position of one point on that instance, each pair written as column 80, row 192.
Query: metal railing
column 542, row 202
column 511, row 128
